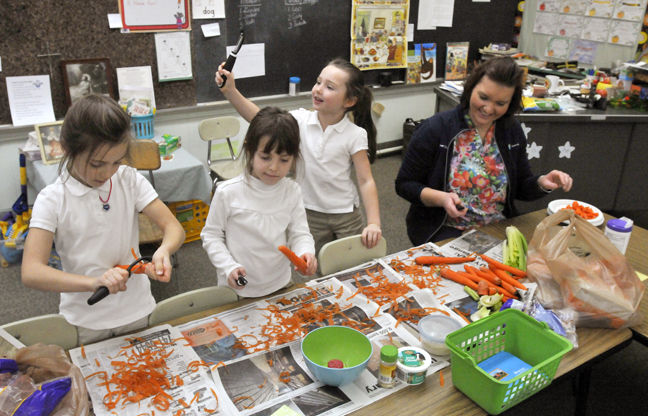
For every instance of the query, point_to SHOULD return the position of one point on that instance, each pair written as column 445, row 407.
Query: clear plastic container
column 618, row 232
column 432, row 332
column 293, row 85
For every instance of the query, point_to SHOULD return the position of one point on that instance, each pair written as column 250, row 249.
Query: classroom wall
column 400, row 102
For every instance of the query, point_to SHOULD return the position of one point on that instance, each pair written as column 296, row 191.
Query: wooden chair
column 46, row 329
column 348, row 252
column 145, row 155
column 221, row 129
column 191, row 302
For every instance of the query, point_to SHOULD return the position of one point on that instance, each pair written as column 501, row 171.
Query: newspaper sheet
column 252, row 380
column 97, row 363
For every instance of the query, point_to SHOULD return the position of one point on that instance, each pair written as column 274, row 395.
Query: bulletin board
column 301, row 36
column 594, row 33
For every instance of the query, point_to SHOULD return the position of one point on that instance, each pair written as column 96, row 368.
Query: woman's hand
column 234, row 276
column 371, row 235
column 160, row 266
column 554, row 180
column 311, row 263
column 114, row 279
column 218, row 77
column 453, row 205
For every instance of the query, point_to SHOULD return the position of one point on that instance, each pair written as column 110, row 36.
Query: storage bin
column 192, row 216
column 143, row 126
column 516, row 333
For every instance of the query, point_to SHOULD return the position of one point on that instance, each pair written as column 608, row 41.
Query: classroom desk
column 182, row 178
column 430, row 398
column 607, row 164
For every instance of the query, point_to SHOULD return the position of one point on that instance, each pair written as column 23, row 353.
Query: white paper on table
column 136, row 82
column 115, row 21
column 173, row 50
column 30, row 99
column 250, row 61
column 208, row 9
column 210, row 30
column 433, row 13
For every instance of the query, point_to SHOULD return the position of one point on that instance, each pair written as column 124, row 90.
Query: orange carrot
column 490, row 277
column 458, row 278
column 482, row 288
column 301, row 265
column 498, row 265
column 83, row 354
column 582, row 210
column 442, row 260
column 441, row 381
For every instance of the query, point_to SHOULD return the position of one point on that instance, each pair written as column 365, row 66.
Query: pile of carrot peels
column 136, row 375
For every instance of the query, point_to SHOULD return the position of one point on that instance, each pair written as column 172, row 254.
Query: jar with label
column 387, row 370
column 293, row 85
column 618, row 232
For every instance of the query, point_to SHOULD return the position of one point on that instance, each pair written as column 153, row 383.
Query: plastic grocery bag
column 577, row 267
column 47, row 367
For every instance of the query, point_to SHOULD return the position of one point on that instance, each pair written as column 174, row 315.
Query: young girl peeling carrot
column 91, row 215
column 253, row 214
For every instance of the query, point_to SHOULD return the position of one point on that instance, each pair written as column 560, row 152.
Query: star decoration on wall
column 526, row 130
column 566, row 150
column 533, row 150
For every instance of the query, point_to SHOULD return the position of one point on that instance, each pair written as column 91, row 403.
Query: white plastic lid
column 434, row 328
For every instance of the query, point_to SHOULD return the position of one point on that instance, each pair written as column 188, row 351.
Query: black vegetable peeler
column 136, row 266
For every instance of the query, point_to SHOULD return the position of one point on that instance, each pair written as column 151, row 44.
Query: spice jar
column 387, row 370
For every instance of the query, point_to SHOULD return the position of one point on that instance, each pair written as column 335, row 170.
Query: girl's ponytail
column 362, row 118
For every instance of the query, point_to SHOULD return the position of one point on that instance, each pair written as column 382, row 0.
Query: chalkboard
column 300, row 37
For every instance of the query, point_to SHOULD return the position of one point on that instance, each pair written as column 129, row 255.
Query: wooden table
column 431, row 398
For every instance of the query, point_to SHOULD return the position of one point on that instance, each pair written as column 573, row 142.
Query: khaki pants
column 329, row 227
column 88, row 336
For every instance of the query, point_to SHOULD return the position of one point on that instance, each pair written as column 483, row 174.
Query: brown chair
column 145, row 155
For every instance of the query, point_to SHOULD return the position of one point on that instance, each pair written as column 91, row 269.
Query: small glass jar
column 387, row 370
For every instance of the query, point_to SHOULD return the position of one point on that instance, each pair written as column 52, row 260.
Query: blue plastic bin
column 143, row 126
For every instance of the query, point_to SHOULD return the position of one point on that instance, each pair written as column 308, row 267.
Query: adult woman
column 464, row 167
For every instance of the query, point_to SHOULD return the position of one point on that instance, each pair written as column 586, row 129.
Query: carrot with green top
column 301, row 265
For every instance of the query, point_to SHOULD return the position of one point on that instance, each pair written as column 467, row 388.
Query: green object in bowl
column 342, row 343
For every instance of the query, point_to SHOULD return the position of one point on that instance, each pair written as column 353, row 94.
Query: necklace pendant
column 106, row 207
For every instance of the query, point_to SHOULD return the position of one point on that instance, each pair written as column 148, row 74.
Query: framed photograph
column 87, row 76
column 49, row 141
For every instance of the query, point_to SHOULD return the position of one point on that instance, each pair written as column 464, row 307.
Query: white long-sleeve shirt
column 247, row 222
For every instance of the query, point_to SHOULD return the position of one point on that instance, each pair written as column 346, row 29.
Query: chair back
column 144, row 154
column 219, row 128
column 190, row 302
column 348, row 252
column 46, row 329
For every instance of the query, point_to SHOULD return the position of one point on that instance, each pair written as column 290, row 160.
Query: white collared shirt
column 327, row 185
column 91, row 240
column 247, row 222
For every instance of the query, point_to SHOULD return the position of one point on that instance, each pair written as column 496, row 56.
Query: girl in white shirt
column 253, row 214
column 331, row 146
column 91, row 214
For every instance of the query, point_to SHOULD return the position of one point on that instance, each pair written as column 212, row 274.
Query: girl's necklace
column 106, row 205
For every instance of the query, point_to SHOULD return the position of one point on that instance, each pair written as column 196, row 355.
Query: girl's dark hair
column 361, row 111
column 281, row 128
column 91, row 122
column 503, row 71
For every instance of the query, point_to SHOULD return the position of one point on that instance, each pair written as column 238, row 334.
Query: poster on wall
column 140, row 16
column 456, row 67
column 379, row 34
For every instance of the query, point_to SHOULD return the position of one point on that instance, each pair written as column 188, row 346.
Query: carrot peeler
column 136, row 267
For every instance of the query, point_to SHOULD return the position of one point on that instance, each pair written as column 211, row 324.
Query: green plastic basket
column 516, row 333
